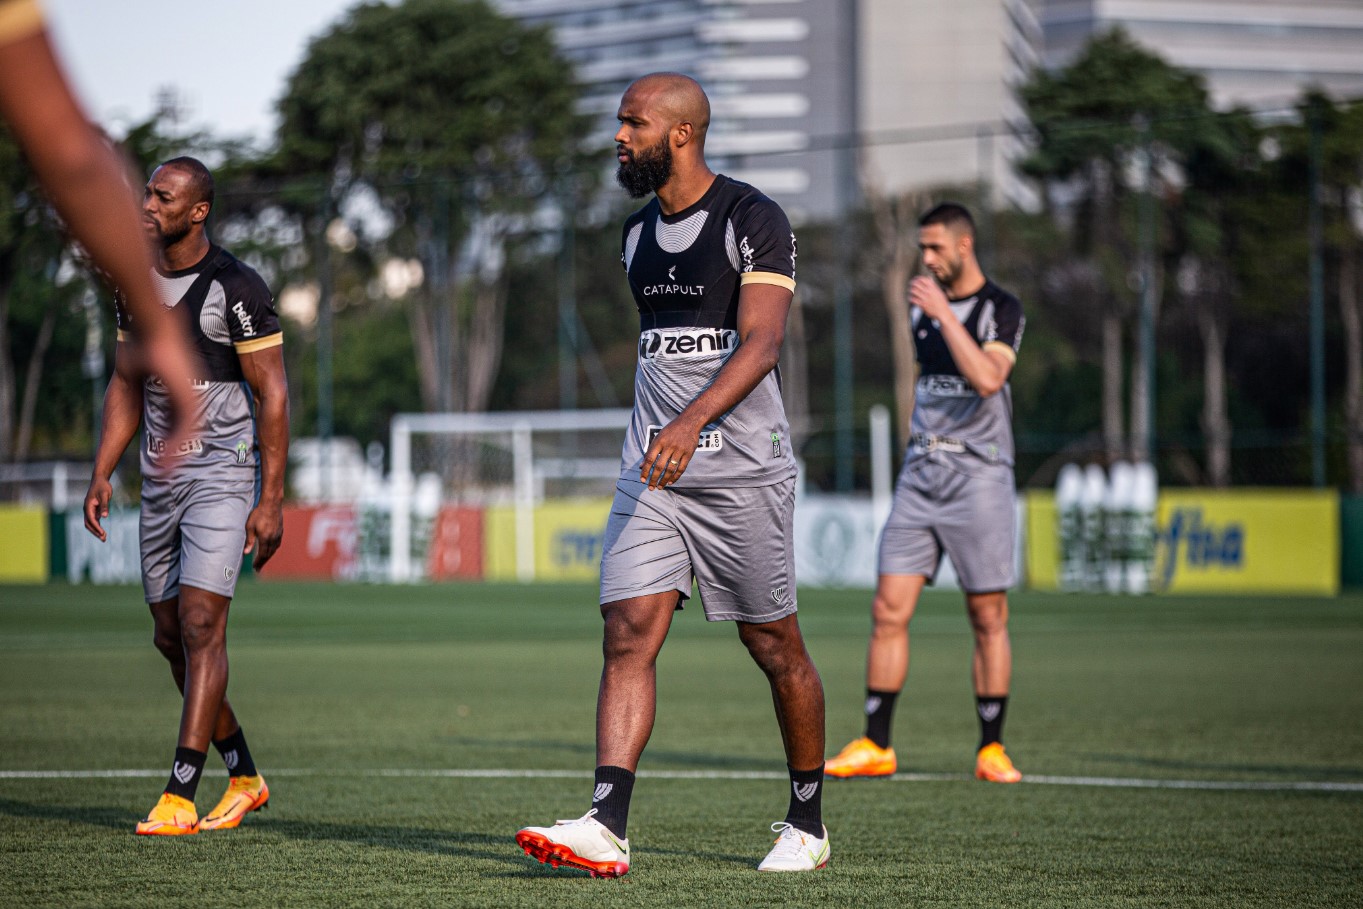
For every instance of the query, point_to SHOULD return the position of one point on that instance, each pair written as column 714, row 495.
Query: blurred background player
column 225, row 494
column 89, row 184
column 707, row 480
column 955, row 492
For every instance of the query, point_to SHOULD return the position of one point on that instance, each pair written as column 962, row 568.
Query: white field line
column 502, row 773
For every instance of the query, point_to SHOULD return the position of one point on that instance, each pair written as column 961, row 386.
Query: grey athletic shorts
column 192, row 533
column 960, row 505
column 738, row 542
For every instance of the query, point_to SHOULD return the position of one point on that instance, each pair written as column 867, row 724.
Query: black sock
column 614, row 785
column 806, row 800
column 991, row 711
column 236, row 755
column 185, row 773
column 879, row 713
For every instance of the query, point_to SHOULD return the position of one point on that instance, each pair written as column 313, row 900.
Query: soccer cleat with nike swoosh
column 584, row 843
column 795, row 850
column 244, row 794
column 992, row 764
column 861, row 757
column 170, row 816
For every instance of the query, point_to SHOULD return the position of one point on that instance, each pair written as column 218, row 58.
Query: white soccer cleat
column 584, row 843
column 795, row 850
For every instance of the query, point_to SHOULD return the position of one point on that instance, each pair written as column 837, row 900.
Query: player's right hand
column 97, row 506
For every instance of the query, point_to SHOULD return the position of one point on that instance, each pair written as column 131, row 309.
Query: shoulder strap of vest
column 218, row 259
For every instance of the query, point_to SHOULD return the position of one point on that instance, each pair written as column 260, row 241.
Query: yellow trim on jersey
column 19, row 19
column 766, row 277
column 256, row 344
column 1002, row 348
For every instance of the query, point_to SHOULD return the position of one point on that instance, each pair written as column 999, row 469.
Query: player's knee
column 169, row 644
column 989, row 618
column 889, row 615
column 200, row 633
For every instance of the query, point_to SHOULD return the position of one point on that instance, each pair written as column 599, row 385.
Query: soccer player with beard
column 706, row 489
column 224, row 495
column 955, row 492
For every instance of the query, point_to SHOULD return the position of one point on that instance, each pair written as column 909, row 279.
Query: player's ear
column 682, row 134
column 199, row 214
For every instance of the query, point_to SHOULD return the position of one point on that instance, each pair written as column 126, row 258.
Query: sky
column 228, row 61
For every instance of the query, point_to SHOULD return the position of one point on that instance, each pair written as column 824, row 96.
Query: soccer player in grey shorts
column 707, row 479
column 955, row 492
column 215, row 497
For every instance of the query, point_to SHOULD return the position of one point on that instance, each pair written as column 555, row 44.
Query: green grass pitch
column 355, row 698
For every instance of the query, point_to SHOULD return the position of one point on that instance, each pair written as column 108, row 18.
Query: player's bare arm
column 762, row 310
column 122, row 414
column 89, row 184
column 264, row 373
column 985, row 368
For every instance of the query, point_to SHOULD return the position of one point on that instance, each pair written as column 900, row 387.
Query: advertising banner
column 567, row 540
column 456, row 550
column 116, row 561
column 319, row 544
column 1219, row 541
column 23, row 558
column 1248, row 541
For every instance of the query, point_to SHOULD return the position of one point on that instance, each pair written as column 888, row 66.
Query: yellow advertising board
column 567, row 539
column 1218, row 541
column 23, row 558
column 1042, row 556
column 1259, row 540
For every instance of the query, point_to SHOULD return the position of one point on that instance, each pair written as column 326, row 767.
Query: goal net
column 519, row 459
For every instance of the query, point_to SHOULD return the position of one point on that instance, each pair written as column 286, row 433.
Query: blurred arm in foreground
column 87, row 181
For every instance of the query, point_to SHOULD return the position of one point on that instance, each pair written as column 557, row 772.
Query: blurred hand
column 264, row 531
column 927, row 295
column 97, row 506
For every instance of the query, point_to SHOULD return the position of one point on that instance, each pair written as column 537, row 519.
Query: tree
column 1117, row 114
column 437, row 126
column 1212, row 230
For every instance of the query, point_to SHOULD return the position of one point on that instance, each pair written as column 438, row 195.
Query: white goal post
column 540, row 445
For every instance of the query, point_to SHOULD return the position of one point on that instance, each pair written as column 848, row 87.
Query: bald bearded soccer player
column 706, row 490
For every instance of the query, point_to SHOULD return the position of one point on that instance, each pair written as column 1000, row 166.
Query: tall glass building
column 779, row 74
column 1259, row 53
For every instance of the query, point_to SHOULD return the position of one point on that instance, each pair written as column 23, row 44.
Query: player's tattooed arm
column 122, row 414
column 264, row 372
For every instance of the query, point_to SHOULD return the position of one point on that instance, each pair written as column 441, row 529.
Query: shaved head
column 675, row 98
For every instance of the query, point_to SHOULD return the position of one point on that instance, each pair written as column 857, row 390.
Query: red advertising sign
column 456, row 550
column 319, row 544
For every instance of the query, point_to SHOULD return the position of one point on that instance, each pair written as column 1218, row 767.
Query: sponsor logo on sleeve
column 244, row 318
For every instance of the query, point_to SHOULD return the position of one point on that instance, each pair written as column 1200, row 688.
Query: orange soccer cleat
column 861, row 757
column 992, row 764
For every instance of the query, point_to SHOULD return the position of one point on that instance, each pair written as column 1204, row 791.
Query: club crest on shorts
column 228, row 572
column 243, row 450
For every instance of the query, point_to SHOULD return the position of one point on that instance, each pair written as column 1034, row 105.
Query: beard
column 646, row 172
column 172, row 233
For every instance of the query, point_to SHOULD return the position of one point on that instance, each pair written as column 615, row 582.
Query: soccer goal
column 517, row 458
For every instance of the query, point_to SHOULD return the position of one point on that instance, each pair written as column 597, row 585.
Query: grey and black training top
column 685, row 271
column 228, row 311
column 946, row 405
